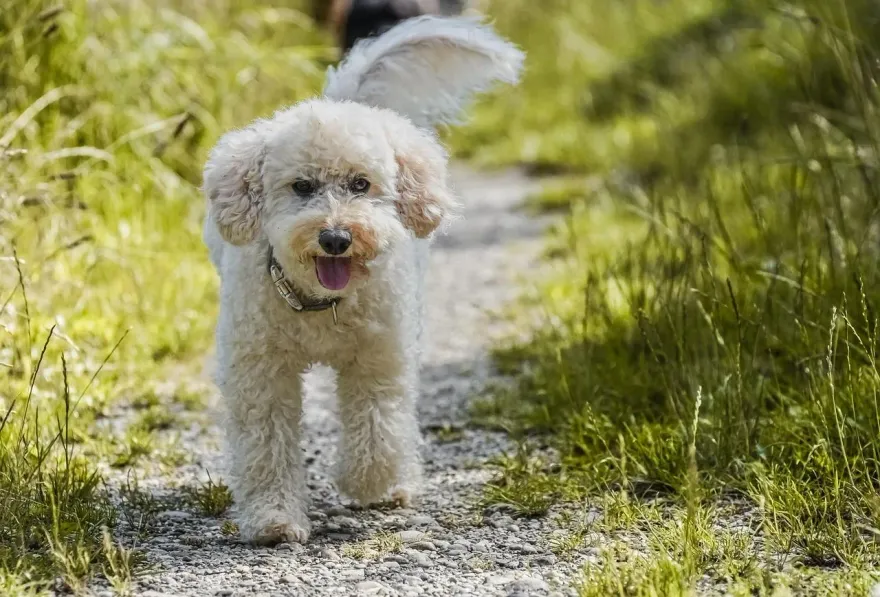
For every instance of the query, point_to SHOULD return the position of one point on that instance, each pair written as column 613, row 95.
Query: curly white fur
column 263, row 347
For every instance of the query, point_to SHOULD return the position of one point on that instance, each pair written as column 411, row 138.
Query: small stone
column 392, row 564
column 411, row 536
column 347, row 522
column 224, row 593
column 339, row 511
column 419, row 521
column 339, row 537
column 173, row 515
column 353, row 574
column 527, row 586
column 329, row 553
column 418, row 558
column 456, row 551
column 424, row 546
column 549, row 559
column 440, row 543
column 392, row 522
column 481, row 546
column 370, row 587
column 397, row 559
column 496, row 580
column 288, row 579
column 528, row 549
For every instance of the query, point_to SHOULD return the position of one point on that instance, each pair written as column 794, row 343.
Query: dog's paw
column 277, row 528
column 367, row 486
column 402, row 497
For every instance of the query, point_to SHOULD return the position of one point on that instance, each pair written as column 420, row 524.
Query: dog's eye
column 360, row 185
column 304, row 187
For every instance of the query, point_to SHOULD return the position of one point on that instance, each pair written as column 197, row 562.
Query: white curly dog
column 318, row 224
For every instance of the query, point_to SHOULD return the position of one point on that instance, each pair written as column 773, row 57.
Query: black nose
column 335, row 241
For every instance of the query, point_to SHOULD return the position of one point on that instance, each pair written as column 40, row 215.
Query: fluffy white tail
column 427, row 68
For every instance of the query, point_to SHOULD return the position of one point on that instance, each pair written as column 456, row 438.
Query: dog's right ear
column 233, row 183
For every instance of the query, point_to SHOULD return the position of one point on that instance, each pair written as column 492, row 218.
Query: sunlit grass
column 710, row 333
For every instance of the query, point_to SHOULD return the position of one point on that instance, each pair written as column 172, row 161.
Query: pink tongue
column 333, row 272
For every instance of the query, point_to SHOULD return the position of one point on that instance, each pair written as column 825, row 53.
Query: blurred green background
column 707, row 351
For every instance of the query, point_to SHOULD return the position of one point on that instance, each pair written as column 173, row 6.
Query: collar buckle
column 283, row 287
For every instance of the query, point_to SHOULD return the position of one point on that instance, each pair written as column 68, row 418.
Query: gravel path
column 443, row 545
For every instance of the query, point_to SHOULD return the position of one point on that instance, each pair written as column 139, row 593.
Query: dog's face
column 333, row 186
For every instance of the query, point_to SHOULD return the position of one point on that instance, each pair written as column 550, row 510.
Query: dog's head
column 333, row 186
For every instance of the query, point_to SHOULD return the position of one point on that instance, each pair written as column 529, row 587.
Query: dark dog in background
column 353, row 20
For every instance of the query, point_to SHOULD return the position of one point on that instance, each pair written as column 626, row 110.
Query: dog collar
column 285, row 289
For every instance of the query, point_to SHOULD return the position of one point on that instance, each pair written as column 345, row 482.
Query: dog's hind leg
column 267, row 477
column 380, row 433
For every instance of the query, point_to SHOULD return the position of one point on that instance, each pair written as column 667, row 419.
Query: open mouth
column 333, row 272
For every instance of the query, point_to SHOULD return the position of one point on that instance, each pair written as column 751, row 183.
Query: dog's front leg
column 380, row 434
column 263, row 443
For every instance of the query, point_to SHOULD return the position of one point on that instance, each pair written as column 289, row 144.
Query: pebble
column 549, row 559
column 497, row 580
column 339, row 511
column 330, row 554
column 339, row 537
column 424, row 546
column 419, row 558
column 296, row 548
column 398, row 559
column 173, row 515
column 353, row 574
column 370, row 587
column 347, row 522
column 527, row 585
column 482, row 547
column 411, row 536
column 419, row 521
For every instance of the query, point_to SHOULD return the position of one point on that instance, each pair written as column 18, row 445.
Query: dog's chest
column 317, row 338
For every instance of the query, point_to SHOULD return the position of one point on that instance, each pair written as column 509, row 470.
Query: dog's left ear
column 424, row 199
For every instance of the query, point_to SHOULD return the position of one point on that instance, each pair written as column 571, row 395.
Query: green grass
column 107, row 111
column 710, row 335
